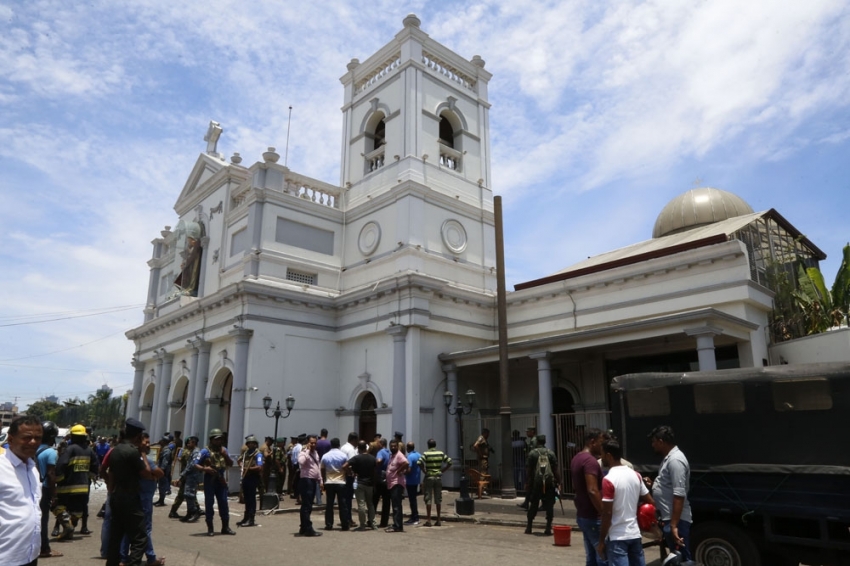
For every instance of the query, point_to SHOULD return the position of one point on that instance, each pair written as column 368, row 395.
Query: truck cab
column 768, row 452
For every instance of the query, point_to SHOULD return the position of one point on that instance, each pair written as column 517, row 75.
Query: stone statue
column 190, row 270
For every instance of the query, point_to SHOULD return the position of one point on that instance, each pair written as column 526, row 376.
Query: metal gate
column 569, row 439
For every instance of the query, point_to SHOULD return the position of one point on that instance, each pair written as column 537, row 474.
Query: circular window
column 370, row 237
column 454, row 236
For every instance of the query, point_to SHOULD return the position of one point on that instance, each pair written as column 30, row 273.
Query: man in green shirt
column 431, row 462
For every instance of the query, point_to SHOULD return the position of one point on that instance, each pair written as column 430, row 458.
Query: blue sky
column 602, row 112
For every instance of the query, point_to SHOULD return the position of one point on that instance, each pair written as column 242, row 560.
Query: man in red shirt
column 587, row 482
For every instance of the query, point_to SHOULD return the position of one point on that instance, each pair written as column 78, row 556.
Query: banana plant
column 823, row 309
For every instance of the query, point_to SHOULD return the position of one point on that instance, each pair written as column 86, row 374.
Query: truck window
column 712, row 398
column 802, row 395
column 648, row 402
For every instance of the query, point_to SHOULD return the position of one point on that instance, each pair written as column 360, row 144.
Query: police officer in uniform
column 252, row 465
column 184, row 457
column 213, row 461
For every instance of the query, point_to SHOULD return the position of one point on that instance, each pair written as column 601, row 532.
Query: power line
column 65, row 369
column 63, row 350
column 62, row 313
column 113, row 310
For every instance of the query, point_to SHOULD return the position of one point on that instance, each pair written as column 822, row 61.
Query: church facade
column 367, row 300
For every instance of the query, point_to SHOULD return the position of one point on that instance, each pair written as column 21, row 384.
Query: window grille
column 649, row 402
column 802, row 395
column 712, row 398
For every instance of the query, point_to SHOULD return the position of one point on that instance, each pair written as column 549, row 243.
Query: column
column 452, row 432
column 158, row 386
column 544, row 386
column 255, row 222
column 199, row 386
column 136, row 393
column 190, row 394
column 236, row 426
column 399, row 334
column 705, row 345
column 161, row 422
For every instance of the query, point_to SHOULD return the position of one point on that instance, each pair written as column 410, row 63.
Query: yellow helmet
column 78, row 430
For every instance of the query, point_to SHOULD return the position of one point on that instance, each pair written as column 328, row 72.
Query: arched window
column 447, row 135
column 380, row 134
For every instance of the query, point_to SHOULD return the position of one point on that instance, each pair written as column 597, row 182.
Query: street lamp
column 464, row 505
column 270, row 499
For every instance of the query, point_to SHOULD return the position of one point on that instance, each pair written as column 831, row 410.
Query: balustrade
column 378, row 74
column 450, row 158
column 451, row 73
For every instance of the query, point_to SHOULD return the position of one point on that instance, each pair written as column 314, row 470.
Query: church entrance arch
column 367, row 424
column 219, row 401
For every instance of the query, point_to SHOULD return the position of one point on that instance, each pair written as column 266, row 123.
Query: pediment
column 205, row 168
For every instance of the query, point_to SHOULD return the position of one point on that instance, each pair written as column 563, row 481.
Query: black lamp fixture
column 464, row 505
column 269, row 499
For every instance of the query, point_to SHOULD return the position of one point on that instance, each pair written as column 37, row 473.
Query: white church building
column 366, row 300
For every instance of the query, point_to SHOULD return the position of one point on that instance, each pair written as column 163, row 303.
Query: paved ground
column 494, row 534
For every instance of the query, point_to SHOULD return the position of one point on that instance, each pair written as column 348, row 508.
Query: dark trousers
column 215, row 491
column 164, row 484
column 382, row 495
column 128, row 519
column 397, row 497
column 540, row 498
column 250, row 483
column 348, row 495
column 307, row 489
column 336, row 491
column 45, row 519
column 178, row 501
column 412, row 491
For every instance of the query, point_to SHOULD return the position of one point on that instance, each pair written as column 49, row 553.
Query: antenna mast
column 288, row 124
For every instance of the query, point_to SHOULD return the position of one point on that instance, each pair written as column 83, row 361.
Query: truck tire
column 721, row 544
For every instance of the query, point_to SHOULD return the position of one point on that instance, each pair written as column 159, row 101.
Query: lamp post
column 464, row 505
column 270, row 499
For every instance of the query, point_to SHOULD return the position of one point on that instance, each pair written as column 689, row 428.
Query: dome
column 698, row 207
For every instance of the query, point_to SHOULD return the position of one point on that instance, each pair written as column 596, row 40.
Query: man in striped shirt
column 432, row 461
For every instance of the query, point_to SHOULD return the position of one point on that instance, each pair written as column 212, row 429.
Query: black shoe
column 191, row 518
column 159, row 504
column 226, row 530
column 210, row 532
column 312, row 534
column 547, row 532
column 85, row 532
column 242, row 523
column 328, row 528
column 528, row 530
column 175, row 515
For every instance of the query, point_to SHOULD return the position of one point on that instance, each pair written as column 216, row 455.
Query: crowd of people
column 40, row 477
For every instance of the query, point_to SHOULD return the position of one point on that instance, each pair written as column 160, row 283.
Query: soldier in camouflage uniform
column 279, row 464
column 184, row 457
column 190, row 477
column 530, row 444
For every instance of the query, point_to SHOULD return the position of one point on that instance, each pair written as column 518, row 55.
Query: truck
column 769, row 456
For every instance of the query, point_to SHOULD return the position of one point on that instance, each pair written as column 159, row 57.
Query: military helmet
column 216, row 433
column 50, row 429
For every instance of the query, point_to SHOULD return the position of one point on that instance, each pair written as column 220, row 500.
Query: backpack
column 543, row 474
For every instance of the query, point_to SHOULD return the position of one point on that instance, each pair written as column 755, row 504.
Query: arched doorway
column 218, row 415
column 562, row 401
column 367, row 417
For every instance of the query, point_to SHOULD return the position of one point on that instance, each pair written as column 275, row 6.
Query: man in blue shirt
column 382, row 494
column 414, row 478
column 46, row 457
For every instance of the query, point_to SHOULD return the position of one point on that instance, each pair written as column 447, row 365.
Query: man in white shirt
column 20, row 494
column 350, row 451
column 622, row 490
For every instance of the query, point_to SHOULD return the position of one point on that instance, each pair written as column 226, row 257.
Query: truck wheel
column 721, row 544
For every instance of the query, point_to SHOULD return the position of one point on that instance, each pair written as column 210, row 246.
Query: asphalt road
column 274, row 541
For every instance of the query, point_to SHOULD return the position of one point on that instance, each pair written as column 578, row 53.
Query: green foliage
column 820, row 308
column 45, row 410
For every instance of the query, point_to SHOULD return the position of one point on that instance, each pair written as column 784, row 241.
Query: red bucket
column 562, row 535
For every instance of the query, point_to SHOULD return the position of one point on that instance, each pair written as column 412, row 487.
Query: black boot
column 210, row 529
column 548, row 531
column 226, row 530
column 243, row 522
column 528, row 528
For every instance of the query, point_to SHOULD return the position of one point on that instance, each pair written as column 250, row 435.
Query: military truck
column 769, row 450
